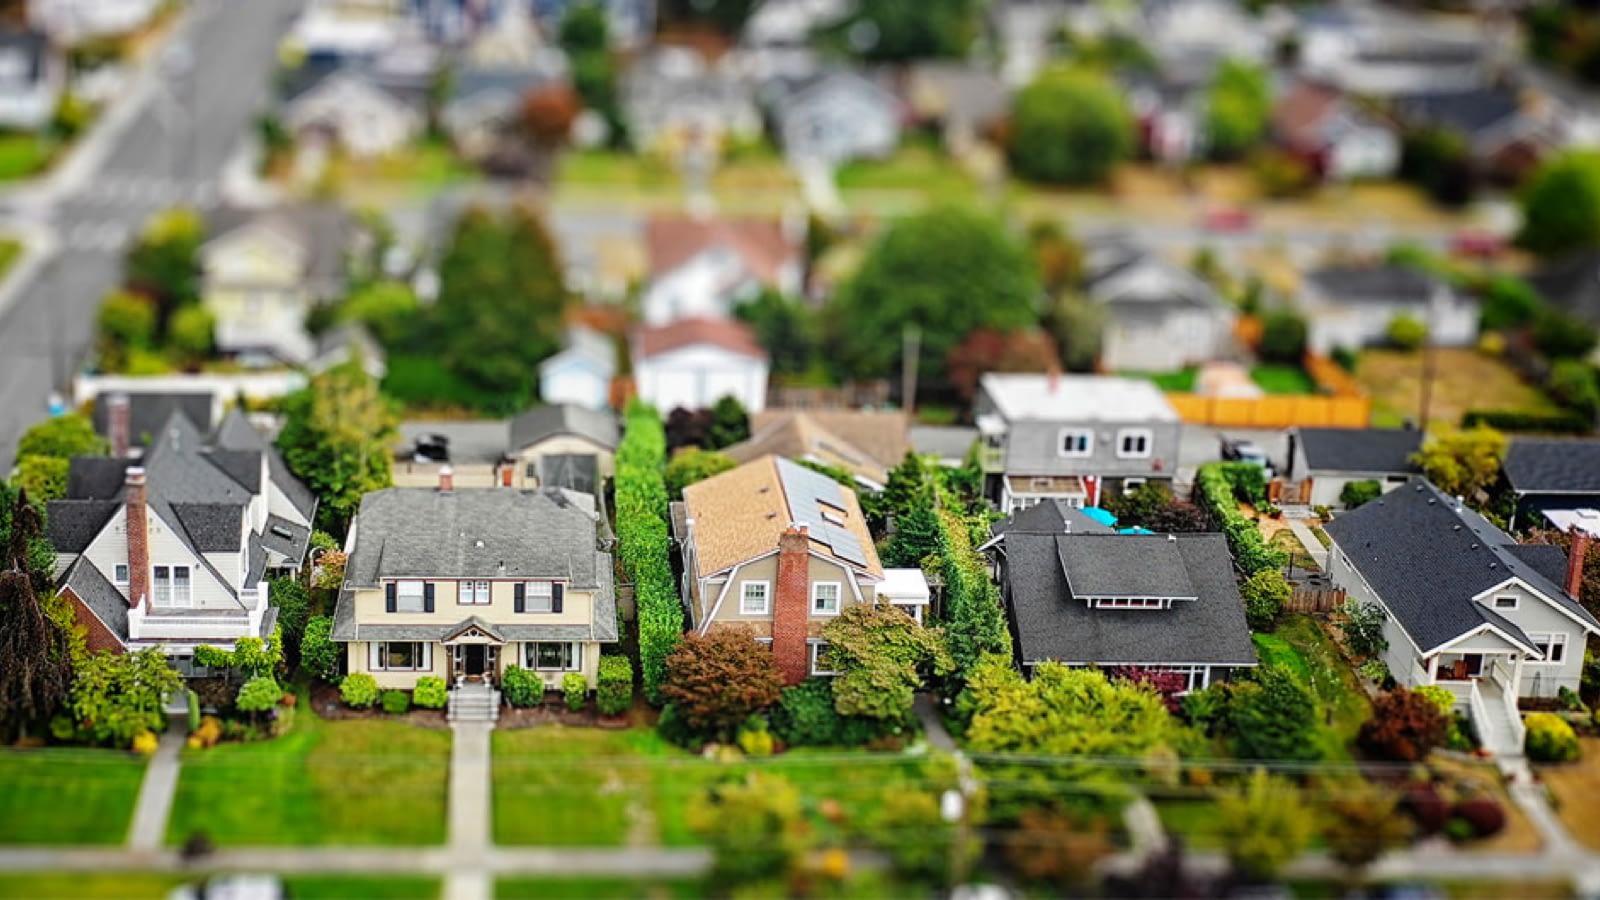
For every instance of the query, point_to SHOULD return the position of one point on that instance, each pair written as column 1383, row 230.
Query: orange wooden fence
column 1273, row 411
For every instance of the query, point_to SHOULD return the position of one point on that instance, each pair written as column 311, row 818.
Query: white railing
column 223, row 625
column 1463, row 691
column 1480, row 714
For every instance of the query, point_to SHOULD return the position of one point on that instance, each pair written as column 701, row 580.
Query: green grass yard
column 1181, row 381
column 156, row 886
column 596, row 888
column 362, row 887
column 355, row 782
column 1304, row 648
column 25, row 154
column 67, row 795
column 1283, row 379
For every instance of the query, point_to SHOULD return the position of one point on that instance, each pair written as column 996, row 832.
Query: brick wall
column 138, row 539
column 96, row 635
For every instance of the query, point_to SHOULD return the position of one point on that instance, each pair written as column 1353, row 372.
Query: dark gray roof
column 243, row 466
column 543, row 422
column 1374, row 451
column 1051, row 516
column 1546, row 559
column 96, row 477
column 147, row 412
column 471, row 442
column 1553, row 466
column 1134, row 569
column 1472, row 112
column 1427, row 558
column 235, row 432
column 299, row 496
column 944, row 441
column 71, row 525
column 285, row 538
column 472, row 82
column 1572, row 284
column 100, row 596
column 574, row 471
column 212, row 527
column 1373, row 284
column 1050, row 623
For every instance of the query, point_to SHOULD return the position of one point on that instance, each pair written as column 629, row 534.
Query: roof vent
column 1172, row 539
column 1474, row 545
column 1431, row 501
column 1456, row 527
column 478, row 544
column 1494, row 565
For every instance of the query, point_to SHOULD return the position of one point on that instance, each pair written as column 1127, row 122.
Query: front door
column 474, row 661
column 1474, row 664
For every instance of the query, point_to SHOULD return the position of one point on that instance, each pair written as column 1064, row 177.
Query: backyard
column 67, row 795
column 1464, row 379
column 353, row 782
column 1300, row 645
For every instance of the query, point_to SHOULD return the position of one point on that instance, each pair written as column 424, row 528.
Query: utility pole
column 910, row 349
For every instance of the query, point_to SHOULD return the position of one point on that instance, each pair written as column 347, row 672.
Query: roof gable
column 1553, row 465
column 1360, row 450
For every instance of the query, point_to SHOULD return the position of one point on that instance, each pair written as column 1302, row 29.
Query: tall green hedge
column 974, row 622
column 1221, row 486
column 643, row 542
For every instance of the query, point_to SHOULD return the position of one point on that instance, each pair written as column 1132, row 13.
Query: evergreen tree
column 35, row 652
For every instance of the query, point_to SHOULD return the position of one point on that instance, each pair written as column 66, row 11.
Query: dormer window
column 1076, row 442
column 1506, row 602
column 1132, row 603
column 1134, row 443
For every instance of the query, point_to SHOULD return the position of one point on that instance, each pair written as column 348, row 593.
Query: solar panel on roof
column 846, row 547
column 807, row 491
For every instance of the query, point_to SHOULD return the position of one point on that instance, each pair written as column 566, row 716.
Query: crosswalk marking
column 147, row 190
column 104, row 237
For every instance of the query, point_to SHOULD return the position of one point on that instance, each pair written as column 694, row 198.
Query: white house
column 31, row 79
column 706, row 268
column 693, row 363
column 364, row 118
column 833, row 117
column 1160, row 317
column 1325, row 460
column 1319, row 125
column 580, row 374
column 70, row 21
column 1352, row 307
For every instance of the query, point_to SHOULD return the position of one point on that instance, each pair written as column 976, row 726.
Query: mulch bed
column 326, row 704
column 557, row 714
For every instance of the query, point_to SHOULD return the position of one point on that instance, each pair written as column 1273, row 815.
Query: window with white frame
column 914, row 610
column 817, row 667
column 171, row 586
column 119, row 573
column 1130, row 603
column 409, row 596
column 1508, row 601
column 553, row 656
column 1130, row 486
column 1551, row 645
column 1134, row 443
column 825, row 598
column 754, row 597
column 1075, row 442
column 473, row 593
column 541, row 596
column 401, row 656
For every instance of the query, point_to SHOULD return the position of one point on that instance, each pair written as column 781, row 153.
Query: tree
column 189, row 336
column 1283, row 337
column 1274, row 717
column 1560, row 336
column 35, row 650
column 1362, row 624
column 1070, row 126
column 1405, row 726
column 1508, row 302
column 43, row 477
column 1264, row 595
column 583, row 36
column 319, row 655
column 916, row 536
column 115, row 696
column 1076, row 323
column 336, row 437
column 987, row 350
column 1572, row 384
column 691, row 465
column 786, row 329
column 1561, row 205
column 1406, row 332
column 716, row 682
column 548, row 113
column 1238, row 108
column 41, row 556
column 1356, row 493
column 258, row 695
column 926, row 270
column 1439, row 160
column 1056, row 254
column 1464, row 463
column 897, row 31
column 62, row 437
column 881, row 655
column 389, row 309
column 125, row 323
column 730, row 424
column 1363, row 823
column 1062, row 711
column 1263, row 827
column 164, row 263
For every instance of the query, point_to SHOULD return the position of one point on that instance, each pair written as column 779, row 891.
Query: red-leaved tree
column 1404, row 726
column 987, row 350
column 716, row 682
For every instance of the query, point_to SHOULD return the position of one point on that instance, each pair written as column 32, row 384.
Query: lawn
column 1576, row 786
column 361, row 887
column 582, row 787
column 1278, row 379
column 1181, row 381
column 1301, row 645
column 355, row 782
column 155, row 886
column 427, row 167
column 1464, row 379
column 596, row 888
column 913, row 169
column 9, row 251
column 424, row 385
column 67, row 795
column 24, row 154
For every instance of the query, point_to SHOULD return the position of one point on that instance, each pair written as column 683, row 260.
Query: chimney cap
column 134, row 475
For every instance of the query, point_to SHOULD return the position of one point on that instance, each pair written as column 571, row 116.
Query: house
column 1353, row 306
column 485, row 105
column 832, row 117
column 1048, row 517
column 603, row 251
column 582, row 372
column 1170, row 115
column 705, row 268
column 352, row 106
column 1368, row 51
column 959, row 99
column 1572, row 285
column 1159, row 317
column 174, row 548
column 1467, row 607
column 1324, row 460
column 1556, row 479
column 129, row 421
column 1165, row 602
column 865, row 443
column 779, row 549
column 1318, row 124
column 695, row 362
column 32, row 76
column 263, row 271
column 563, row 446
column 460, row 583
column 674, row 98
column 70, row 22
column 1183, row 32
column 1072, row 437
column 338, row 344
column 790, row 23
column 1508, row 131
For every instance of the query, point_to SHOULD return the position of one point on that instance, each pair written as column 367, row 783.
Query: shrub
column 805, row 717
column 319, row 655
column 395, row 702
column 1220, row 487
column 1483, row 814
column 1375, row 670
column 1405, row 726
column 1264, row 594
column 1521, row 422
column 1283, row 338
column 755, row 739
column 614, row 694
column 258, row 695
column 1426, row 807
column 430, row 693
column 1406, row 332
column 719, row 680
column 1362, row 624
column 1551, row 739
column 359, row 690
column 522, row 687
column 192, row 701
column 643, row 543
column 209, row 732
column 145, row 743
column 1439, row 696
column 1358, row 492
column 1274, row 717
column 575, row 687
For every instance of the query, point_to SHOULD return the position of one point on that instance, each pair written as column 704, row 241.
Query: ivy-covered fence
column 643, row 541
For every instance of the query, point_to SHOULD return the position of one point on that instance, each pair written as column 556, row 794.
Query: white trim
column 766, row 597
column 1485, row 627
column 855, row 586
column 530, row 656
column 1557, row 605
column 1123, row 434
column 727, row 585
column 816, row 647
column 400, row 595
column 1088, row 445
column 1553, row 638
column 1494, row 602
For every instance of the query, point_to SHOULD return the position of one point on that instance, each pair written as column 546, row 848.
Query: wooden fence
column 1273, row 411
column 1314, row 600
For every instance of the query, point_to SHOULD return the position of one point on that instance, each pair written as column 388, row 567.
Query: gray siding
column 1033, row 448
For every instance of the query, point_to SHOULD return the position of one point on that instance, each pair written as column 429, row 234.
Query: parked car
column 1245, row 451
column 1477, row 244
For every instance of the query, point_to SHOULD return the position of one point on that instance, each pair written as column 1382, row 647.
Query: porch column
column 1516, row 678
column 1433, row 669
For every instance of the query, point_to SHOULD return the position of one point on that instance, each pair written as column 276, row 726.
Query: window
column 550, row 656
column 120, row 573
column 825, row 598
column 541, row 596
column 832, row 514
column 1130, row 603
column 473, row 593
column 753, row 598
column 1134, row 443
column 1130, row 486
column 402, row 656
column 817, row 650
column 172, row 586
column 410, row 596
column 1505, row 603
column 1553, row 647
column 1076, row 442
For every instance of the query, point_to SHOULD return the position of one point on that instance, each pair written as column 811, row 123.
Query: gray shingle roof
column 1373, row 284
column 148, row 412
column 1051, row 516
column 1426, row 558
column 212, row 527
column 1360, row 450
column 243, row 466
column 71, row 525
column 1572, row 284
column 100, row 596
column 1049, row 623
column 96, row 477
column 543, row 422
column 1142, row 569
column 290, row 543
column 1553, row 466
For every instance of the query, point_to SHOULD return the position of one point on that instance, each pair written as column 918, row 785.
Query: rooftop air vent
column 282, row 532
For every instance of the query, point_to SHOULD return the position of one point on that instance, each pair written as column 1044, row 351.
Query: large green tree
column 164, row 263
column 950, row 272
column 904, row 30
column 1464, row 463
column 1238, row 107
column 117, row 695
column 35, row 650
column 45, row 452
column 1070, row 126
column 785, row 327
column 1561, row 205
column 337, row 437
column 881, row 656
column 1264, row 826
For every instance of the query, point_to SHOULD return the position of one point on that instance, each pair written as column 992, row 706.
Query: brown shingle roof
column 865, row 443
column 1301, row 114
column 725, row 333
column 760, row 244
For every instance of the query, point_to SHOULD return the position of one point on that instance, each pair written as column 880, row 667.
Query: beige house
column 462, row 583
column 781, row 550
column 564, row 446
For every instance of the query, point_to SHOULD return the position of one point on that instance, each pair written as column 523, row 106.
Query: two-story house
column 1467, row 607
column 1159, row 317
column 707, row 268
column 173, row 548
column 1072, row 437
column 780, row 549
column 461, row 583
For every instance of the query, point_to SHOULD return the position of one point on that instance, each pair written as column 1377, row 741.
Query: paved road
column 154, row 163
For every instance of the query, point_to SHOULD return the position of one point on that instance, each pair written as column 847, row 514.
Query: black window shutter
column 521, row 594
column 427, row 596
column 555, row 597
column 388, row 597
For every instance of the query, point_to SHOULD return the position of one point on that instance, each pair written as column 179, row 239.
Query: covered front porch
column 474, row 651
column 1484, row 672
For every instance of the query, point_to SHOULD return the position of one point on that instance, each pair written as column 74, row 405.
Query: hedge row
column 974, row 623
column 1221, row 486
column 643, row 543
column 1534, row 423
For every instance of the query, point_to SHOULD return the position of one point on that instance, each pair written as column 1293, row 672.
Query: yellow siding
column 501, row 609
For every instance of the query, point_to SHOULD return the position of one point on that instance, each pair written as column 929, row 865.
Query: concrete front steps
column 474, row 702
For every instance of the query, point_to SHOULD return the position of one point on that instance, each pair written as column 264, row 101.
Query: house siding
column 358, row 658
column 96, row 636
column 1033, row 448
column 564, row 444
column 1134, row 340
column 766, row 569
column 110, row 549
column 697, row 377
column 576, row 606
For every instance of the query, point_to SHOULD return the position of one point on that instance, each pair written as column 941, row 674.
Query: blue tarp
column 1104, row 517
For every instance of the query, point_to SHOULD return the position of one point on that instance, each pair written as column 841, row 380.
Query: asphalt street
column 171, row 153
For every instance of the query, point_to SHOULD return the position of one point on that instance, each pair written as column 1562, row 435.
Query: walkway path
column 1308, row 540
column 148, row 830
column 471, row 827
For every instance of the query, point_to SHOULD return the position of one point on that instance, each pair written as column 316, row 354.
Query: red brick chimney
column 791, row 609
column 138, row 539
column 1575, row 555
column 117, row 418
column 447, row 479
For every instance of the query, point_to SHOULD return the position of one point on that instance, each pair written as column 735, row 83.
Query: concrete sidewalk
column 148, row 830
column 471, row 821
